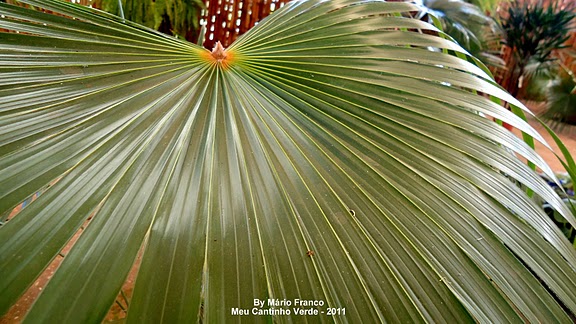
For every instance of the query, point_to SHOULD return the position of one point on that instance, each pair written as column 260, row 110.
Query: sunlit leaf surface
column 338, row 152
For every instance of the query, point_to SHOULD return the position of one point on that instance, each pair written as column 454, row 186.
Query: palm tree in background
column 534, row 30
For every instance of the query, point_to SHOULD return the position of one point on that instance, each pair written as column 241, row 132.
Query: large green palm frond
column 338, row 127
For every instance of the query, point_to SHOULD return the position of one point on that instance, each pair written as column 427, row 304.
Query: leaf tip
column 219, row 52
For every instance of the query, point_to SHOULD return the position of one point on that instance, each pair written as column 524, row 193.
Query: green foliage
column 487, row 5
column 538, row 78
column 336, row 152
column 534, row 30
column 463, row 21
column 176, row 17
column 561, row 100
column 469, row 26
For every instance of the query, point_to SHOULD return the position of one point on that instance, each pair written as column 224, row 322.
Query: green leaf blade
column 336, row 154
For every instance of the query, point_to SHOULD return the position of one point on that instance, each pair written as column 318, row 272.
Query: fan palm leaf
column 334, row 153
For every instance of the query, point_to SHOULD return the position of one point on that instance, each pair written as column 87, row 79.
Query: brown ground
column 116, row 314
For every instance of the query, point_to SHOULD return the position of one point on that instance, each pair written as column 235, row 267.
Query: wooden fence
column 225, row 20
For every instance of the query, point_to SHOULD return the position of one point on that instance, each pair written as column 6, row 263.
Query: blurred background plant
column 487, row 6
column 470, row 25
column 561, row 100
column 173, row 17
column 533, row 32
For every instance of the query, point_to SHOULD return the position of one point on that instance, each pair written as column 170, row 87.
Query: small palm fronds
column 469, row 26
column 561, row 98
